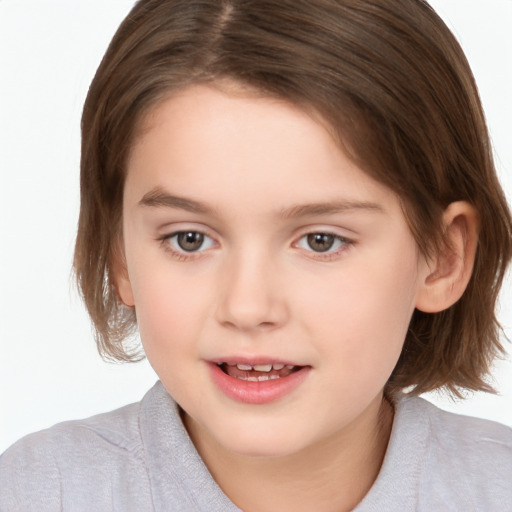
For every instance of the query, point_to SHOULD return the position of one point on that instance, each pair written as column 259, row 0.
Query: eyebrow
column 158, row 197
column 331, row 207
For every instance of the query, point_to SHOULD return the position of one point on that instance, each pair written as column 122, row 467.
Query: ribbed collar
column 397, row 485
column 179, row 479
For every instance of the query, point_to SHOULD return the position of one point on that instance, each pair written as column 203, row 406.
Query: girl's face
column 252, row 241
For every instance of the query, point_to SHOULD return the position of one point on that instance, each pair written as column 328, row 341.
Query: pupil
column 320, row 242
column 190, row 241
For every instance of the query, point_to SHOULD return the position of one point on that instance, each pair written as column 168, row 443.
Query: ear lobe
column 124, row 290
column 448, row 273
column 120, row 277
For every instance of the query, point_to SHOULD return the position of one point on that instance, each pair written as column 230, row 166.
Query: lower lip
column 263, row 392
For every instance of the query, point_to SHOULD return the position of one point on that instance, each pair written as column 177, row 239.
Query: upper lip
column 254, row 360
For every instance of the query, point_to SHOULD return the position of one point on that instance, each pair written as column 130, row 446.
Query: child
column 295, row 204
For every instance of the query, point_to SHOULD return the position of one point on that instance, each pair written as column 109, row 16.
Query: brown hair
column 392, row 83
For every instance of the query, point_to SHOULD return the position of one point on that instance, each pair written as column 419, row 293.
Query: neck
column 333, row 475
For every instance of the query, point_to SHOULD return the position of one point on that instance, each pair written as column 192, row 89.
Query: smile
column 258, row 372
column 259, row 383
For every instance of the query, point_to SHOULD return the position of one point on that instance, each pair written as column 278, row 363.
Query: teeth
column 263, row 367
column 260, row 378
column 267, row 377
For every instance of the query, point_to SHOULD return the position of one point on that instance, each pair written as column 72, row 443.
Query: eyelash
column 181, row 254
column 328, row 255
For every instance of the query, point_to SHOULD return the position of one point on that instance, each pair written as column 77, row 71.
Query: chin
column 264, row 443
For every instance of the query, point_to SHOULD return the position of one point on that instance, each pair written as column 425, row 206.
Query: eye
column 189, row 241
column 322, row 242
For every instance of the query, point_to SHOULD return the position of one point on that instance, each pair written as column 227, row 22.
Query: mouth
column 257, row 382
column 258, row 372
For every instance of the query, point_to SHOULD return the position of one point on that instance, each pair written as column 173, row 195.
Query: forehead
column 233, row 146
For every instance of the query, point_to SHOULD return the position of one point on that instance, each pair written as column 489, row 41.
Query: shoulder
column 466, row 460
column 472, row 439
column 70, row 460
column 116, row 430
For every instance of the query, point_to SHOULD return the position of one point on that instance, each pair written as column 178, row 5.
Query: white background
column 49, row 50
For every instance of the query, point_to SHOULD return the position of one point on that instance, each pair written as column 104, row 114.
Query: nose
column 251, row 295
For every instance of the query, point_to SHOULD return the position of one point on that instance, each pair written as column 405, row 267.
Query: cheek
column 170, row 308
column 169, row 316
column 363, row 317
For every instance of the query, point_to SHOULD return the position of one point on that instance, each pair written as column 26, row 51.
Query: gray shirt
column 140, row 458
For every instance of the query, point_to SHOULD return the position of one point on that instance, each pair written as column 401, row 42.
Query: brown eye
column 190, row 241
column 320, row 242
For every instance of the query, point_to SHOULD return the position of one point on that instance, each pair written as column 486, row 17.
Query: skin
column 244, row 170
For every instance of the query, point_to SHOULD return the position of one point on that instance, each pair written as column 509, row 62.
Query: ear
column 120, row 277
column 448, row 273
